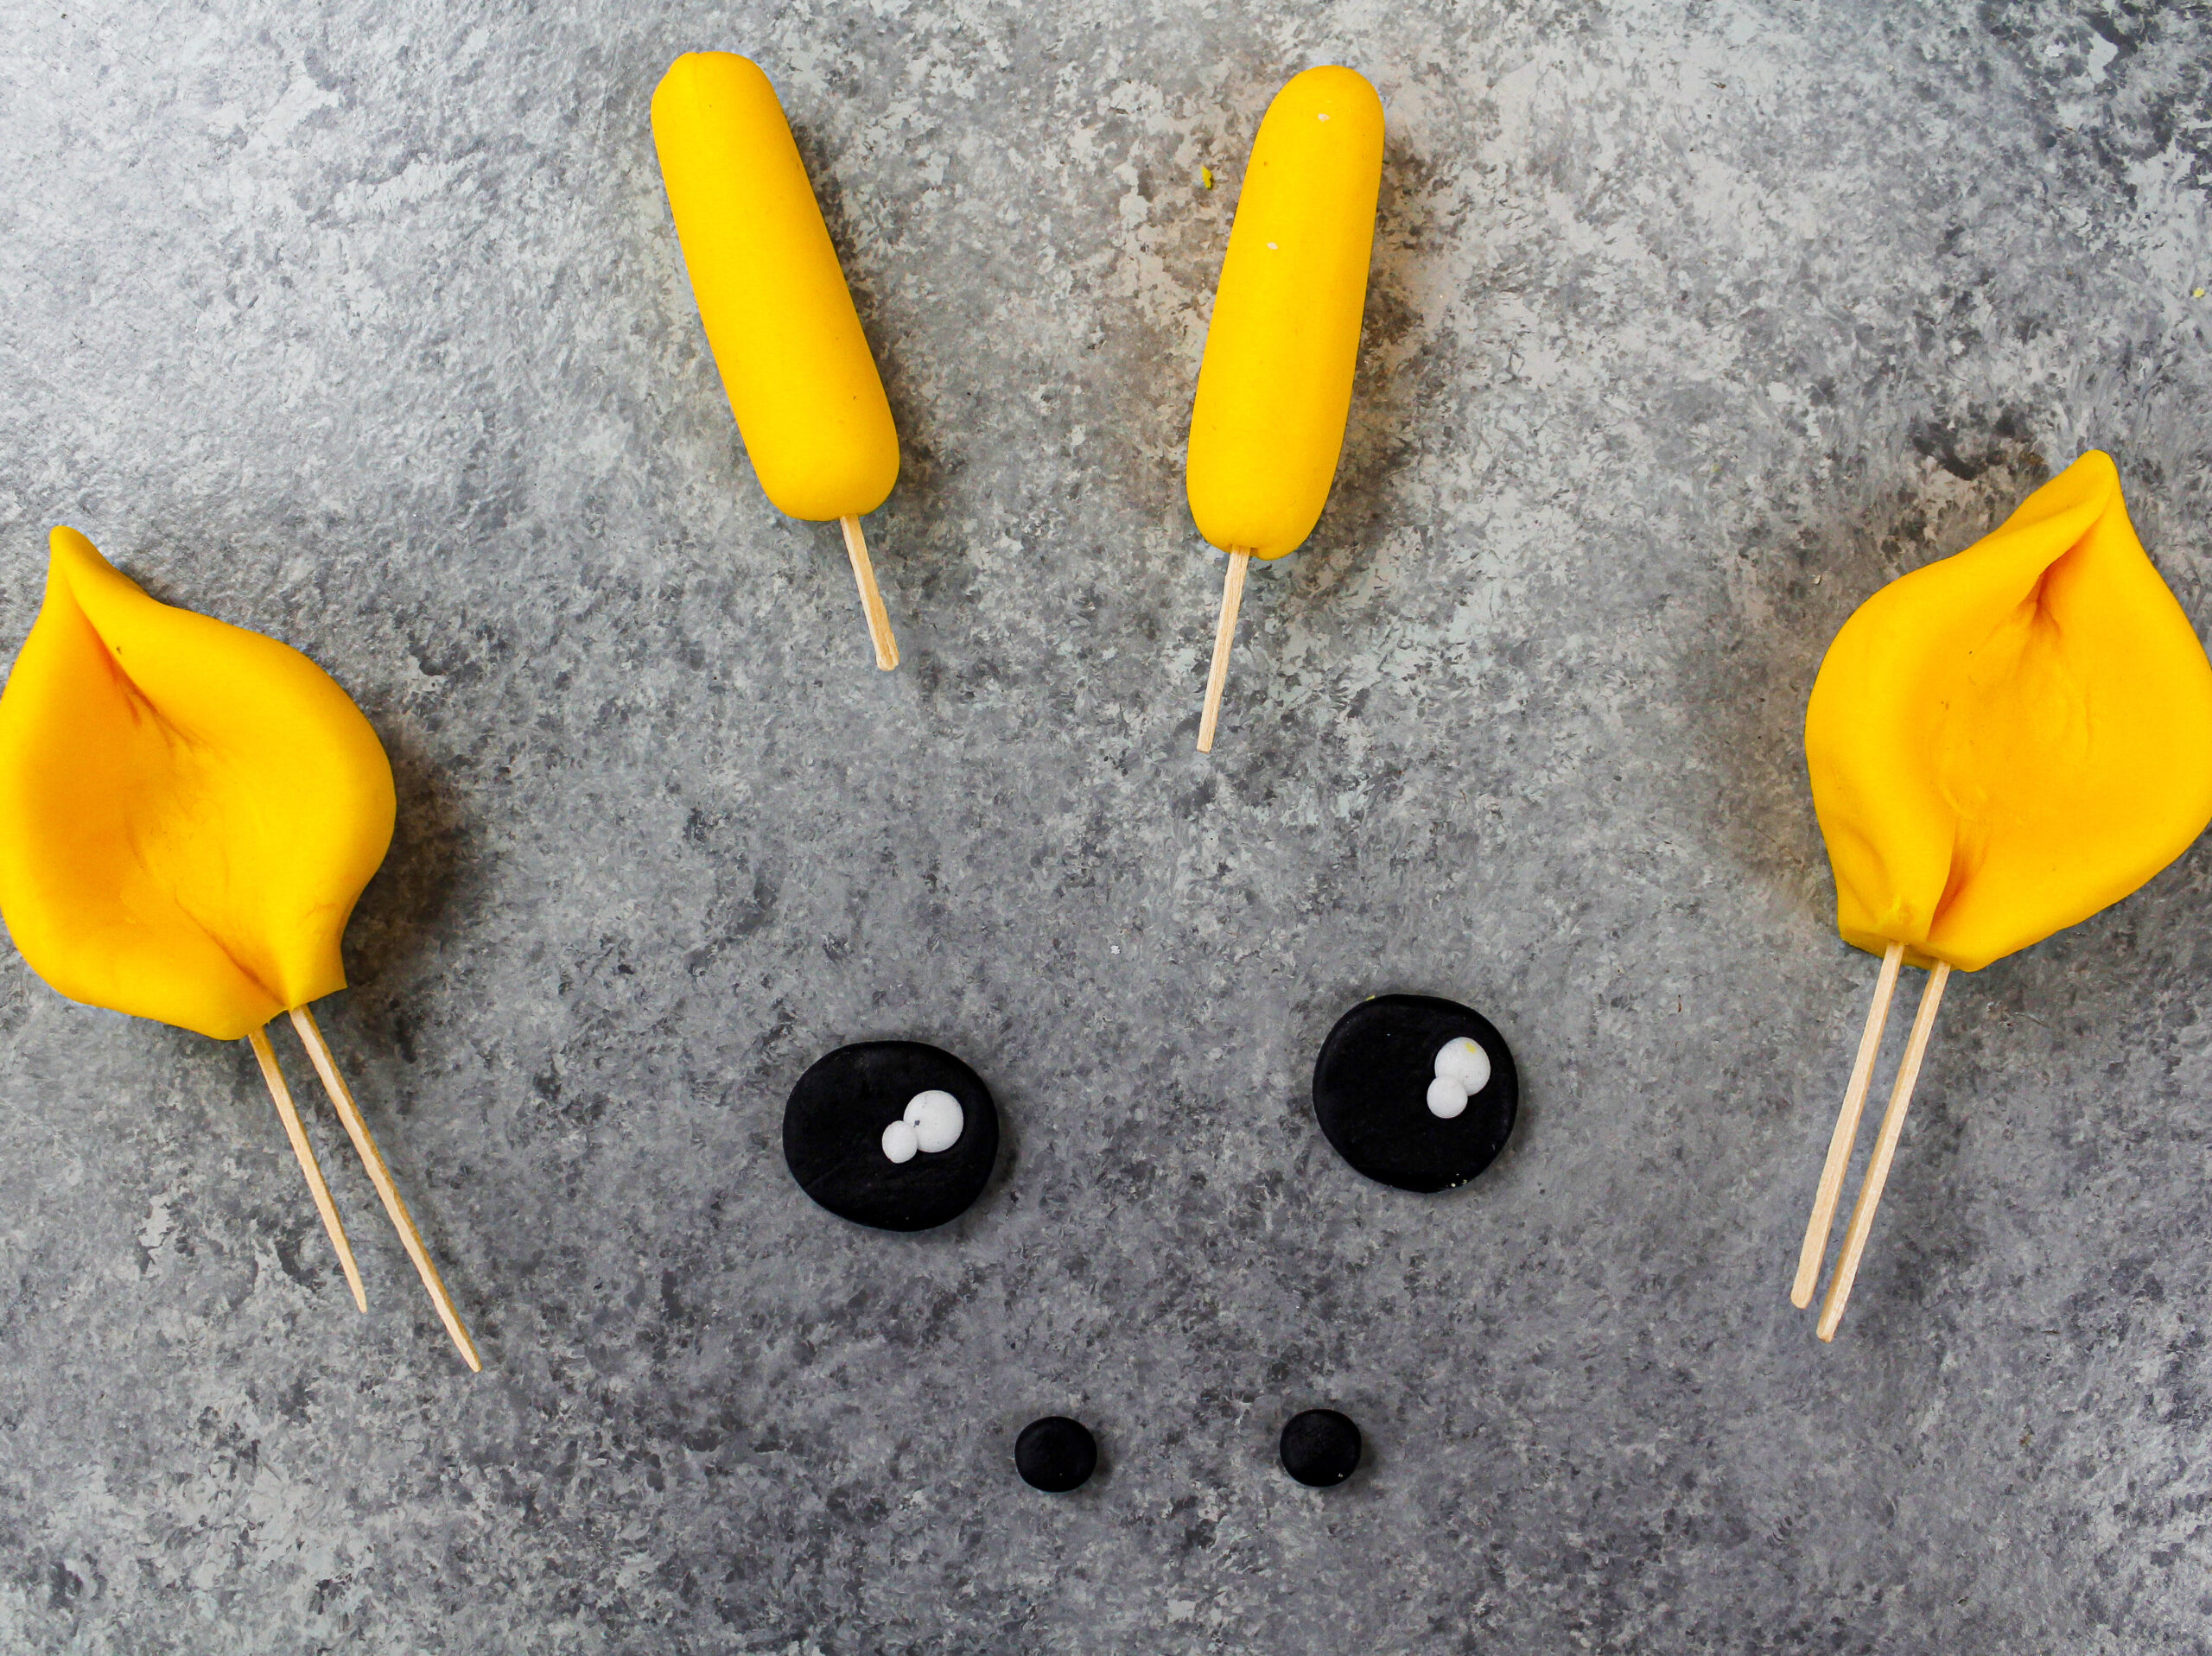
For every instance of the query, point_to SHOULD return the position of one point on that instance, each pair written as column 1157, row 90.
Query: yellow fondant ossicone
column 188, row 810
column 2009, row 740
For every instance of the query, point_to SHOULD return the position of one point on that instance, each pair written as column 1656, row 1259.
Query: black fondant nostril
column 1320, row 1448
column 1055, row 1454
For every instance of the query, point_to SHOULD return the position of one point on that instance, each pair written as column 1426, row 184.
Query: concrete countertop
column 1690, row 325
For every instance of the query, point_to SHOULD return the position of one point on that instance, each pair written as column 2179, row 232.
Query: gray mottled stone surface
column 1690, row 325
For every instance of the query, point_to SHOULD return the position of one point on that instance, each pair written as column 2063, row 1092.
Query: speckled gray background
column 1691, row 324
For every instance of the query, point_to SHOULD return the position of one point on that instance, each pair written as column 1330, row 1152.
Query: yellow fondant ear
column 188, row 810
column 2009, row 740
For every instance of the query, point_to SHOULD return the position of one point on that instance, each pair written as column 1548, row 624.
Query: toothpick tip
column 1224, row 635
column 879, row 618
column 341, row 1099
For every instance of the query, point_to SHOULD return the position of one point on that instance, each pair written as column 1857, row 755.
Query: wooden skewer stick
column 1885, row 1147
column 283, row 1096
column 1225, row 636
column 1846, row 1133
column 341, row 1099
column 879, row 618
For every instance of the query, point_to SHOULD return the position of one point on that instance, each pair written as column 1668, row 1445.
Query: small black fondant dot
column 832, row 1135
column 1320, row 1448
column 1370, row 1092
column 1055, row 1454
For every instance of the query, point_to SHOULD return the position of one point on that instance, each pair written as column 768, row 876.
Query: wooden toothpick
column 879, row 618
column 282, row 1094
column 341, row 1099
column 1886, row 1148
column 1225, row 636
column 1846, row 1133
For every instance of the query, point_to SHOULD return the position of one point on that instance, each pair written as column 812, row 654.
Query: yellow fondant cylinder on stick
column 800, row 376
column 1274, row 386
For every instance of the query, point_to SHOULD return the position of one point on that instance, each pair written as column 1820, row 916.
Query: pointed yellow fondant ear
column 2008, row 740
column 188, row 810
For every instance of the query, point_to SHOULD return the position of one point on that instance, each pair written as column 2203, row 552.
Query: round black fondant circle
column 1055, row 1454
column 832, row 1135
column 1320, row 1448
column 1370, row 1091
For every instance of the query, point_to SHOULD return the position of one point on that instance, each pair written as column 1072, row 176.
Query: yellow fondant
column 188, row 811
column 778, row 317
column 1274, row 386
column 2009, row 740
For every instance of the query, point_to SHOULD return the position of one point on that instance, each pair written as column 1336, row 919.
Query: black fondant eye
column 1415, row 1092
column 894, row 1134
column 1055, row 1454
column 1320, row 1448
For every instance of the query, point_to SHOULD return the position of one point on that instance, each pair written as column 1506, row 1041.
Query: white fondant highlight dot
column 936, row 1118
column 1325, row 115
column 900, row 1142
column 1464, row 1062
column 1446, row 1098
